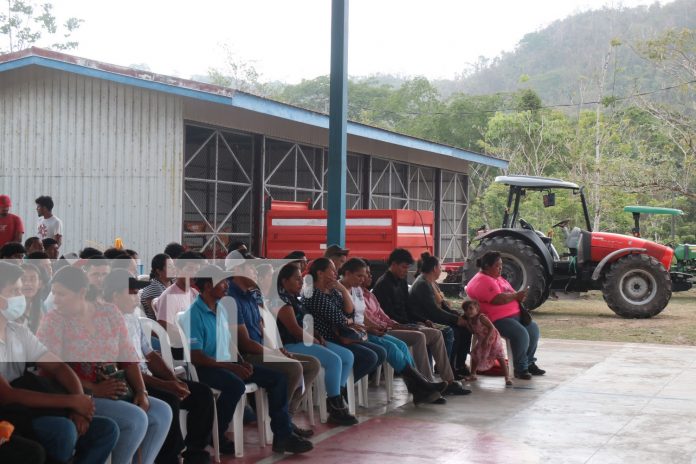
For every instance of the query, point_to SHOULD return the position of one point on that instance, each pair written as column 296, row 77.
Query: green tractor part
column 683, row 269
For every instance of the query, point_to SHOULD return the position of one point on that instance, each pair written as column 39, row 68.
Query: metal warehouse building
column 153, row 159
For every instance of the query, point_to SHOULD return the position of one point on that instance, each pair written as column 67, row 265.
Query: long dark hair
column 426, row 263
column 286, row 272
column 319, row 264
column 159, row 262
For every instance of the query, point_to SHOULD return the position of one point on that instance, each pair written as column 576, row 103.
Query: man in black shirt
column 391, row 289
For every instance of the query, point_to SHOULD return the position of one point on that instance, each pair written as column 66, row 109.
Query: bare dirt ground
column 589, row 318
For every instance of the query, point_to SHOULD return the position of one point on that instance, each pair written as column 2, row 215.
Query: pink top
column 174, row 300
column 374, row 311
column 483, row 288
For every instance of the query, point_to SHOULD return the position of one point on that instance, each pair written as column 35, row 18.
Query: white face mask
column 15, row 308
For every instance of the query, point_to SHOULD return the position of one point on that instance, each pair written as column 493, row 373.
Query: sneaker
column 535, row 370
column 440, row 400
column 524, row 375
column 292, row 444
column 455, row 388
column 304, row 433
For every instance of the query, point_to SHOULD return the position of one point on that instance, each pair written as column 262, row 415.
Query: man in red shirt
column 11, row 226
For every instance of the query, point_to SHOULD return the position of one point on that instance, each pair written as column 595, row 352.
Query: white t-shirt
column 356, row 295
column 139, row 340
column 49, row 228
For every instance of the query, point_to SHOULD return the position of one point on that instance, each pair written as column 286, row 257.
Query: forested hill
column 563, row 62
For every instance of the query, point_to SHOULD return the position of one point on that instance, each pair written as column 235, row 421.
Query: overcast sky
column 289, row 40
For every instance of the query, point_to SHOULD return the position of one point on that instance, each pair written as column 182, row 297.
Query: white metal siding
column 110, row 155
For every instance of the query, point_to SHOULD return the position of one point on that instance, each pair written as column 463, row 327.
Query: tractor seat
column 584, row 252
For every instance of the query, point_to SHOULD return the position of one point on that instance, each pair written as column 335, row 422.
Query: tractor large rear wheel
column 521, row 267
column 637, row 287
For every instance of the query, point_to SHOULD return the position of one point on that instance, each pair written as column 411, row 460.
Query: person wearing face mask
column 71, row 432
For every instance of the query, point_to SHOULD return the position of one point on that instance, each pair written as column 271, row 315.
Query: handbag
column 350, row 335
column 525, row 315
column 108, row 371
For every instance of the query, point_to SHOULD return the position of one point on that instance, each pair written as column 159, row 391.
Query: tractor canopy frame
column 519, row 185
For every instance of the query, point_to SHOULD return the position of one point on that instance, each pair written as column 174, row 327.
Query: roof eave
column 225, row 96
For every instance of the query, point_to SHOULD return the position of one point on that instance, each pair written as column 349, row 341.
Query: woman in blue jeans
column 336, row 360
column 93, row 337
column 501, row 304
column 330, row 305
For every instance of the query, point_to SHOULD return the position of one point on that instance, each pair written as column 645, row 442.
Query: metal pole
column 338, row 114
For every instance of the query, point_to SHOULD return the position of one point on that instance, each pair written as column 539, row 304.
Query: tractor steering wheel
column 563, row 223
column 525, row 225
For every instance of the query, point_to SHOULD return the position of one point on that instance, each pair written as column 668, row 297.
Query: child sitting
column 489, row 345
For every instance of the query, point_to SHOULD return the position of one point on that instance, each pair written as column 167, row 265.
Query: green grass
column 589, row 318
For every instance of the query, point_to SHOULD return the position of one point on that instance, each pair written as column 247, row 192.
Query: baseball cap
column 212, row 272
column 335, row 250
column 236, row 255
column 5, row 201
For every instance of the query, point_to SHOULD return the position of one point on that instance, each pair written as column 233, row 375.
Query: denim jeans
column 138, row 429
column 523, row 339
column 59, row 438
column 448, row 337
column 336, row 360
column 232, row 388
column 366, row 359
column 398, row 354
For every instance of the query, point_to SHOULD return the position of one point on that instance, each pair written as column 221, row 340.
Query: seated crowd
column 82, row 379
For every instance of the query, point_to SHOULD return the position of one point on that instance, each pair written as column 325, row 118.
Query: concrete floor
column 600, row 402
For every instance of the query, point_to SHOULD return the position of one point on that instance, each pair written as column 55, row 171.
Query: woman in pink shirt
column 501, row 304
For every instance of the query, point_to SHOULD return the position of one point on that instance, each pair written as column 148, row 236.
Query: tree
column 25, row 23
column 238, row 74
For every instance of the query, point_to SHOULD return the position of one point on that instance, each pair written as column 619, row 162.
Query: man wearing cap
column 300, row 369
column 121, row 288
column 207, row 323
column 338, row 255
column 11, row 226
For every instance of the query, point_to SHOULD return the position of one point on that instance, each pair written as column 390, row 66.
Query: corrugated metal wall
column 110, row 155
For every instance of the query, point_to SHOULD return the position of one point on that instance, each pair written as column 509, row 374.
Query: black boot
column 338, row 412
column 422, row 390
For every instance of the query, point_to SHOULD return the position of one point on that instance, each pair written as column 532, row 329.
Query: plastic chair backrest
column 186, row 345
column 150, row 326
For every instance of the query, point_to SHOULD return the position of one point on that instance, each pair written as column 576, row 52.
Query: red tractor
column 631, row 272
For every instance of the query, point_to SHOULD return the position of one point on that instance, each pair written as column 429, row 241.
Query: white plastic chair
column 388, row 379
column 351, row 393
column 238, row 416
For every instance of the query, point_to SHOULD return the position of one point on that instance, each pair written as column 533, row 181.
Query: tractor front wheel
column 522, row 267
column 637, row 286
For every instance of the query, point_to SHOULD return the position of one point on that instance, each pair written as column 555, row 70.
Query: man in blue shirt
column 301, row 370
column 207, row 321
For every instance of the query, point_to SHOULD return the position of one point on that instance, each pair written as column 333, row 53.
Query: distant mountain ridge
column 563, row 61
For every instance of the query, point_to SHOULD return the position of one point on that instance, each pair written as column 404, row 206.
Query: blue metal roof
column 225, row 96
